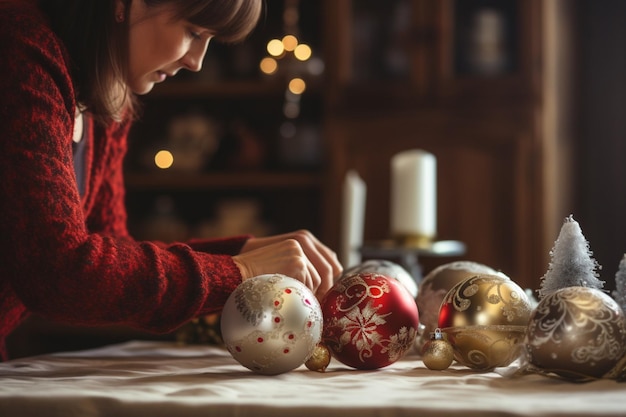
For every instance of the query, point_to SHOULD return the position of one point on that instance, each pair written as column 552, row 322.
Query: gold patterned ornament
column 437, row 353
column 577, row 333
column 320, row 359
column 434, row 287
column 485, row 318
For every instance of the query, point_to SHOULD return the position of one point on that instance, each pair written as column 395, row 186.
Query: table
column 152, row 379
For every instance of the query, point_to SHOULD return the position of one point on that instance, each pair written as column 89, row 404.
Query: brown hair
column 97, row 44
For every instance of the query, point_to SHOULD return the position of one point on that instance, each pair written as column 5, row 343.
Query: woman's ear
column 120, row 10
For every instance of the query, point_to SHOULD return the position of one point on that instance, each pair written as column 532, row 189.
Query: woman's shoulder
column 20, row 15
column 23, row 23
column 34, row 48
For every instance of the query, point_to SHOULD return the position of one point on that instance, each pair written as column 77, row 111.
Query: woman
column 71, row 71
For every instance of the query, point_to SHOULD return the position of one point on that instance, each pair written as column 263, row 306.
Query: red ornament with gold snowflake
column 370, row 320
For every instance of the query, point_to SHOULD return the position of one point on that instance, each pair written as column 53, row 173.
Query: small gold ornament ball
column 437, row 353
column 320, row 358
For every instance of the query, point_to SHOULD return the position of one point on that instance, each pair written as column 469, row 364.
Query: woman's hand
column 298, row 255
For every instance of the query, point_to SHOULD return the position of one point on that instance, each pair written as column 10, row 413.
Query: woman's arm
column 53, row 260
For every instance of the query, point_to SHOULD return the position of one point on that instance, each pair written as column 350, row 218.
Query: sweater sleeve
column 54, row 262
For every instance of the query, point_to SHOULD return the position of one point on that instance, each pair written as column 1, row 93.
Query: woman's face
column 161, row 46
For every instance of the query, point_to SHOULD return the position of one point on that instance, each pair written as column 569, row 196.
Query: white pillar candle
column 353, row 219
column 414, row 195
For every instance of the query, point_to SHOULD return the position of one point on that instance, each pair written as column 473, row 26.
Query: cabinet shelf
column 222, row 180
column 189, row 89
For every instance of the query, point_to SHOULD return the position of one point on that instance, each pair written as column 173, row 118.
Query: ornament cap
column 438, row 335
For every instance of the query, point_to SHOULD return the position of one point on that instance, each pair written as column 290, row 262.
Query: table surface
column 145, row 378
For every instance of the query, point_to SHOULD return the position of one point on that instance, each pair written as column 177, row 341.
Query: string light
column 291, row 110
column 303, row 52
column 290, row 42
column 268, row 65
column 164, row 159
column 297, row 86
column 297, row 58
column 275, row 47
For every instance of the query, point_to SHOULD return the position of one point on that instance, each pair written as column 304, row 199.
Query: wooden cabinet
column 462, row 80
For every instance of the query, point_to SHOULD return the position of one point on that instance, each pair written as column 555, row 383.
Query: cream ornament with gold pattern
column 271, row 324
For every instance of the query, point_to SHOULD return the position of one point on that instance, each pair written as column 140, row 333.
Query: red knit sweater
column 71, row 258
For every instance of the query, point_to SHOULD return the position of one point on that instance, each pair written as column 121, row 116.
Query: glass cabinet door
column 489, row 49
column 485, row 37
column 380, row 36
column 377, row 50
column 420, row 51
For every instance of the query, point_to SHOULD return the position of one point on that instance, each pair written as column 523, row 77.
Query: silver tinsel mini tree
column 620, row 284
column 572, row 264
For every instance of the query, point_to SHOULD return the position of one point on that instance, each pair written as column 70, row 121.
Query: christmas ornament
column 437, row 353
column 571, row 262
column 320, row 358
column 271, row 324
column 434, row 287
column 485, row 318
column 577, row 333
column 370, row 320
column 388, row 269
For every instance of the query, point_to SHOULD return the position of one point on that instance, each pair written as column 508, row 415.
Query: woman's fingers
column 323, row 258
column 289, row 257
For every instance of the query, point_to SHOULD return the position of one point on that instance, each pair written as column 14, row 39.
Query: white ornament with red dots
column 271, row 324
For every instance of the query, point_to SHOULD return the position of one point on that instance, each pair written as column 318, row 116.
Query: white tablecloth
column 151, row 379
